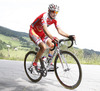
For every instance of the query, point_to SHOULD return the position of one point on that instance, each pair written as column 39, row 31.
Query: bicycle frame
column 56, row 52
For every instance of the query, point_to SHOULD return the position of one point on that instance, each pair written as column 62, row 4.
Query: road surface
column 13, row 78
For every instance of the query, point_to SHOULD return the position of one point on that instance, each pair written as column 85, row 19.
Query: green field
column 13, row 55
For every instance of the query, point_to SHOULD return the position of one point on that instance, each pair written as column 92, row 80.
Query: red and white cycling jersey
column 38, row 23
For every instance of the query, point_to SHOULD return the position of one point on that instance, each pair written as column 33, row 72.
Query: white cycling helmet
column 53, row 7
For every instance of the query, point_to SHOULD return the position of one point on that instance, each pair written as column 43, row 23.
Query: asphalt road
column 13, row 78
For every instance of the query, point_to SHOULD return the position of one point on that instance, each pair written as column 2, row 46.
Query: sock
column 49, row 55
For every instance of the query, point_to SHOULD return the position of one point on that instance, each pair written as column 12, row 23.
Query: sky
column 76, row 17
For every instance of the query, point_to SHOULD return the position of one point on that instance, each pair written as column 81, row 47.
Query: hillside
column 88, row 52
column 24, row 37
column 9, row 32
column 13, row 38
column 22, row 41
column 12, row 33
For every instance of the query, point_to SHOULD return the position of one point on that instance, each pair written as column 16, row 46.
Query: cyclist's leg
column 41, row 51
column 37, row 40
column 50, row 44
column 48, row 41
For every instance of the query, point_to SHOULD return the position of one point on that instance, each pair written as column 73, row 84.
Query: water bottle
column 49, row 57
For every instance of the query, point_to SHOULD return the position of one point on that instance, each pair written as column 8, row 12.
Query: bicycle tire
column 66, row 85
column 25, row 67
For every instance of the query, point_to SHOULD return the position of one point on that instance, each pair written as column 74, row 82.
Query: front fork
column 63, row 60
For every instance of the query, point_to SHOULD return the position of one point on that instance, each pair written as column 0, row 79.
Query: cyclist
column 39, row 33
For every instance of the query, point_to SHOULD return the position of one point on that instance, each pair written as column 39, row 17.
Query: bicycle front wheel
column 30, row 70
column 68, row 70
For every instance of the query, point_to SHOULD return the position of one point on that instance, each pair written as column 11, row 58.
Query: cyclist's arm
column 62, row 32
column 59, row 29
column 47, row 32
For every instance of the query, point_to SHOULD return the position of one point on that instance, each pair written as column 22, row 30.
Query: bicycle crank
column 44, row 72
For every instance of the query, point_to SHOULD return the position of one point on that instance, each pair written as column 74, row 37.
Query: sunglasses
column 55, row 12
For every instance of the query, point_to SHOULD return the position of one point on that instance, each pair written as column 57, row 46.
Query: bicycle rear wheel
column 69, row 72
column 30, row 70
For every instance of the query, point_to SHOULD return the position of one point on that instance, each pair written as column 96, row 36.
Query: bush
column 1, row 55
column 2, row 45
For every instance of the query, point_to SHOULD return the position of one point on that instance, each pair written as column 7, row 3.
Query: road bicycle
column 66, row 66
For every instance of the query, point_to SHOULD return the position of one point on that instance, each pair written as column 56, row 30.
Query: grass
column 13, row 55
column 10, row 40
column 90, row 61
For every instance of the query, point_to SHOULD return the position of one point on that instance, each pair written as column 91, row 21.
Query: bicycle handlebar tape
column 71, row 37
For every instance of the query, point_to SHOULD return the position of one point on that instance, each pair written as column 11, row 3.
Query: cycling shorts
column 36, row 38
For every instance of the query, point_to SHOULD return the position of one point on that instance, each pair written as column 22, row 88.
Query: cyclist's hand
column 55, row 39
column 72, row 37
